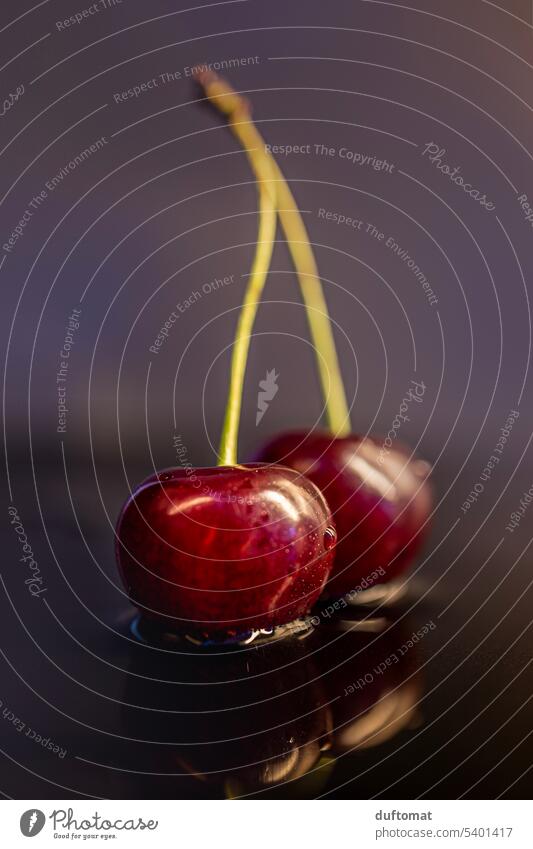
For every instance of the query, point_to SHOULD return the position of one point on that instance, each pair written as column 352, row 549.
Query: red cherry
column 380, row 501
column 226, row 550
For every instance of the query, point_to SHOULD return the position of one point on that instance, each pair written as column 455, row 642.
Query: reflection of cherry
column 236, row 722
column 371, row 677
column 259, row 718
column 380, row 501
column 225, row 550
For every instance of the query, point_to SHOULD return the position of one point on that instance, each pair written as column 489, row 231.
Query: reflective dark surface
column 401, row 699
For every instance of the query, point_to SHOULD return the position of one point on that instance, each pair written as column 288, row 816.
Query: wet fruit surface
column 225, row 550
column 379, row 500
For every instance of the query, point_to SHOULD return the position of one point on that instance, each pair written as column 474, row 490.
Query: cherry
column 224, row 551
column 380, row 501
column 237, row 548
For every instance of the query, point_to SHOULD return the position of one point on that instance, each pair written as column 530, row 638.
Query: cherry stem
column 333, row 392
column 224, row 97
column 237, row 110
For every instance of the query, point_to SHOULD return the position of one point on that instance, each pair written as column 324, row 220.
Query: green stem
column 237, row 111
column 233, row 105
column 337, row 411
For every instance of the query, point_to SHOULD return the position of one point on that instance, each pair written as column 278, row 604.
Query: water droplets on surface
column 330, row 538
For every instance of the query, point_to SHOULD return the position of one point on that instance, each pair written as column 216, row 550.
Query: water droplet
column 167, row 476
column 264, row 516
column 330, row 538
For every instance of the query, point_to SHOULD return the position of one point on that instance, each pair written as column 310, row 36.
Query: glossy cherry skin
column 226, row 550
column 380, row 501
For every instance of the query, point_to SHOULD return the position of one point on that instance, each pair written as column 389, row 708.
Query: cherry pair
column 227, row 552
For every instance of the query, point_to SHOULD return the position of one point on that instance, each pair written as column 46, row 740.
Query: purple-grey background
column 169, row 204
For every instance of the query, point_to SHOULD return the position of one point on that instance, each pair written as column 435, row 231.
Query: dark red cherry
column 226, row 550
column 380, row 501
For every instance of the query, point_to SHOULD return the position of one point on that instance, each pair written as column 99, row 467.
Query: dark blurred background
column 164, row 206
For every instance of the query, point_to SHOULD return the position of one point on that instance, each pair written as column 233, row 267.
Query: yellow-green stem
column 237, row 111
column 235, row 107
column 337, row 411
